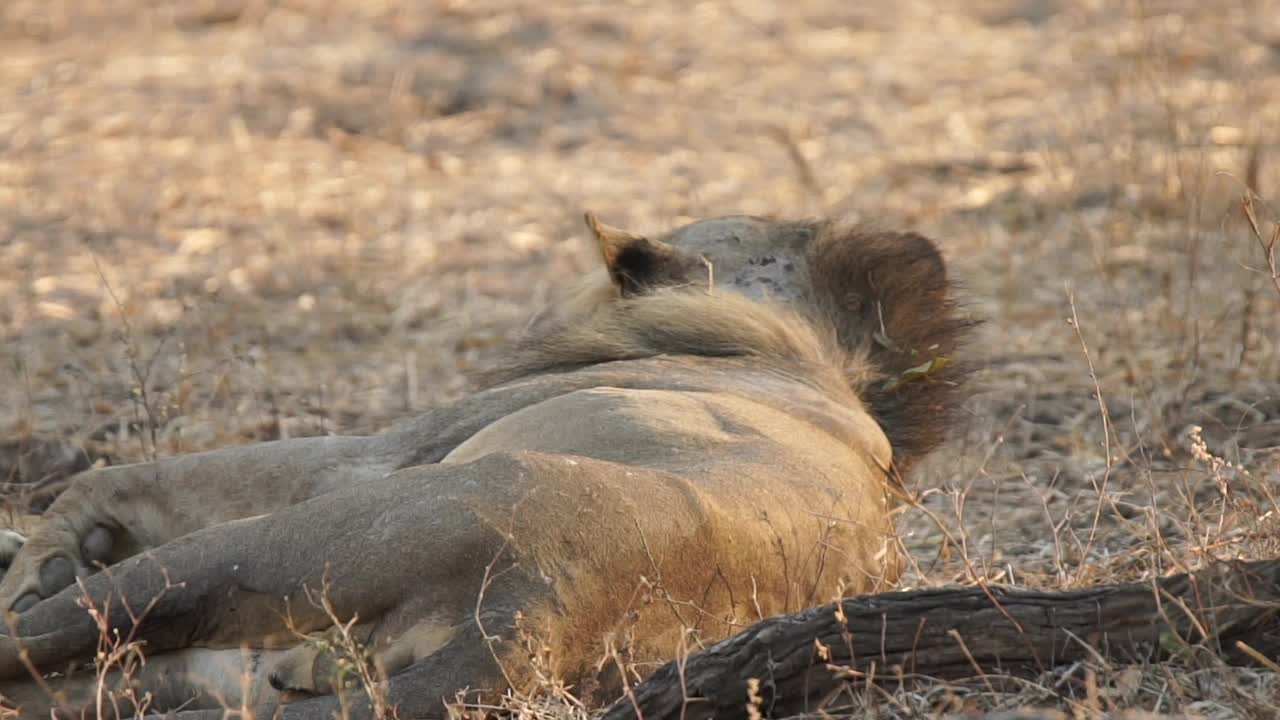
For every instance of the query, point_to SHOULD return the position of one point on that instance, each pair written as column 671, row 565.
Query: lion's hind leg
column 195, row 678
column 339, row 659
column 463, row 668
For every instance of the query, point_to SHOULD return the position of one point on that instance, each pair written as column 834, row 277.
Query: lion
column 712, row 430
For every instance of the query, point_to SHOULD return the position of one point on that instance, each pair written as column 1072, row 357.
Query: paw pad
column 96, row 546
column 55, row 574
column 26, row 602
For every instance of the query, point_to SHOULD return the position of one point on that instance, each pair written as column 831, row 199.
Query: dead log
column 794, row 661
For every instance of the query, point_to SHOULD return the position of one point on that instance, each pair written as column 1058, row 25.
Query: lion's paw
column 311, row 668
column 50, row 560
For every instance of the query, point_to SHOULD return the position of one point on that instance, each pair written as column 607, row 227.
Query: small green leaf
column 1170, row 642
column 921, row 371
column 924, row 369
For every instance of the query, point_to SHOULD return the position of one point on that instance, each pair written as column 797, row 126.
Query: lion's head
column 881, row 302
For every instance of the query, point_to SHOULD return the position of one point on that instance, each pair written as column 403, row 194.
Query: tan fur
column 683, row 320
column 661, row 461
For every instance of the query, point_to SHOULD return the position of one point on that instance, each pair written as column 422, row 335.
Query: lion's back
column 692, row 431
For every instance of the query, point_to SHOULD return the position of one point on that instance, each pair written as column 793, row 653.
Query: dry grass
column 233, row 220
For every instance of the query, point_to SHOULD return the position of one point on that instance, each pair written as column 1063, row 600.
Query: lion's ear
column 636, row 263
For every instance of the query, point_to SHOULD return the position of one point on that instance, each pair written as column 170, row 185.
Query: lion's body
column 646, row 472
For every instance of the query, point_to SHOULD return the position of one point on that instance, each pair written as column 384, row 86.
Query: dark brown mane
column 890, row 300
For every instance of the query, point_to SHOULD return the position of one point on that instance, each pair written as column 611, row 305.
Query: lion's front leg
column 408, row 552
column 111, row 514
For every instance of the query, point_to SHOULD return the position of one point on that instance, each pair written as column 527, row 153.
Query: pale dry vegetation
column 234, row 220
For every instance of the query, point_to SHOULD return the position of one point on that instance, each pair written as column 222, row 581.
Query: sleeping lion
column 711, row 430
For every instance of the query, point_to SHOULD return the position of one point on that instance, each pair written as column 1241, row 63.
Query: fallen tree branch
column 796, row 660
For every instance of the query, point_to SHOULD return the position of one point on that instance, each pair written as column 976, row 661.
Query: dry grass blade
column 1266, row 244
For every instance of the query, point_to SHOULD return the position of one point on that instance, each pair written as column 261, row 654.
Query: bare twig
column 1099, row 488
column 141, row 372
column 1268, row 245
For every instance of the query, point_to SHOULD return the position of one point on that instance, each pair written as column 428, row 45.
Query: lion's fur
column 659, row 452
column 684, row 320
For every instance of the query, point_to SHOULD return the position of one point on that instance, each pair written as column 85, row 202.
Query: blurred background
column 233, row 220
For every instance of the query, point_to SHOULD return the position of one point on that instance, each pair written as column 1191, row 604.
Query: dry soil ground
column 234, row 220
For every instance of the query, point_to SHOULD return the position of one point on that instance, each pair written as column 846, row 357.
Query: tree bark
column 953, row 633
